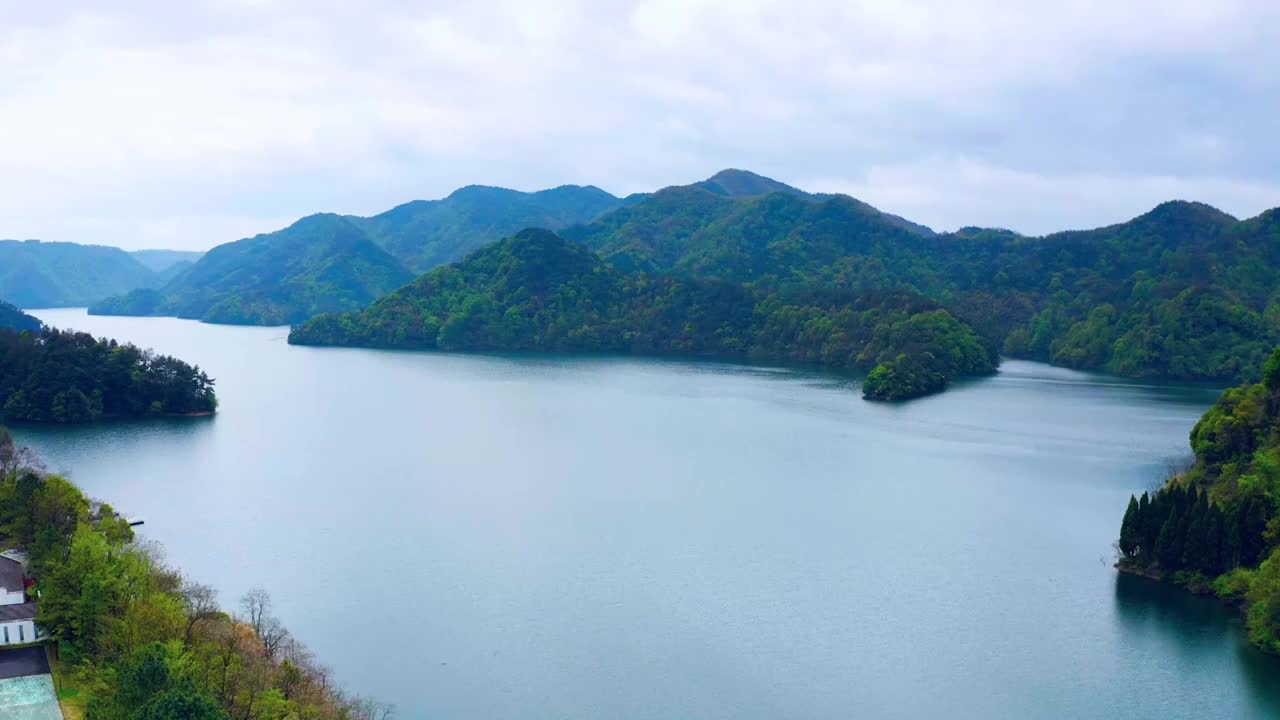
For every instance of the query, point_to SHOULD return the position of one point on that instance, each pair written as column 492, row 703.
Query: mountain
column 748, row 228
column 1182, row 292
column 11, row 318
column 743, row 183
column 427, row 233
column 60, row 274
column 160, row 261
column 321, row 263
column 538, row 292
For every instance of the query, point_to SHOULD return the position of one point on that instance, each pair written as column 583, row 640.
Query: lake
column 508, row 537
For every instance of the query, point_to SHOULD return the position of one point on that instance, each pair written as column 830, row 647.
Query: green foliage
column 537, row 292
column 321, row 263
column 1220, row 517
column 1183, row 292
column 69, row 377
column 11, row 318
column 902, row 378
column 1264, row 605
column 42, row 274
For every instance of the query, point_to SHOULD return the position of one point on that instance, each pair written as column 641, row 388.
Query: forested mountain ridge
column 321, row 263
column 11, row 318
column 61, row 274
column 1215, row 527
column 538, row 292
column 426, row 233
column 161, row 261
column 1181, row 292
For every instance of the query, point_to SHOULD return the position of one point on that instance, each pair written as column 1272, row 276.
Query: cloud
column 119, row 124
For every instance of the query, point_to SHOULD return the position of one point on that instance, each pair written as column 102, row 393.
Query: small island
column 1214, row 529
column 536, row 292
column 56, row 376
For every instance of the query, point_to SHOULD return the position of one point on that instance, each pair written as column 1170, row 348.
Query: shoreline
column 1239, row 605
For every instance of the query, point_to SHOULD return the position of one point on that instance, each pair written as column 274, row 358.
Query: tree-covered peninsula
column 134, row 639
column 11, row 318
column 1216, row 527
column 538, row 292
column 62, row 376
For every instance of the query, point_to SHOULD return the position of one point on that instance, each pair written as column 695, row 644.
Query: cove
column 514, row 537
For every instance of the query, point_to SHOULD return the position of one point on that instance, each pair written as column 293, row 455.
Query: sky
column 185, row 125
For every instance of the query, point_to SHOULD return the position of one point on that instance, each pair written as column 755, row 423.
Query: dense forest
column 1183, row 292
column 134, row 640
column 538, row 292
column 54, row 274
column 319, row 264
column 1216, row 527
column 67, row 377
column 11, row 318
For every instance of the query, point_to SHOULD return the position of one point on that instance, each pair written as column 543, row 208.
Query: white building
column 17, row 616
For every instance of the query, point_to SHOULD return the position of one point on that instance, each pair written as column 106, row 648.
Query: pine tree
column 1231, row 538
column 1129, row 529
column 1195, row 550
column 1252, row 526
column 1168, row 550
column 1213, row 563
column 1147, row 538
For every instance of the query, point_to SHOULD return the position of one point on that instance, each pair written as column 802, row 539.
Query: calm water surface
column 486, row 537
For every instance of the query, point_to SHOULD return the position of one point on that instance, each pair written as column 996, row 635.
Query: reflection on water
column 144, row 437
column 1193, row 630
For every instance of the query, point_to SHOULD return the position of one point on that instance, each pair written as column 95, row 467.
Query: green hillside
column 319, row 264
column 58, row 274
column 1183, row 292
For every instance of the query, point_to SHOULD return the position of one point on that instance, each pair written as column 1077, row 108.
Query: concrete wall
column 19, row 631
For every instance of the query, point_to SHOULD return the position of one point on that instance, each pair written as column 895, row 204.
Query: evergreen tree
column 1146, row 535
column 1168, row 550
column 1252, row 526
column 1130, row 528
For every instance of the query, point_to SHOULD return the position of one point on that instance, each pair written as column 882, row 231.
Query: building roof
column 10, row 574
column 21, row 611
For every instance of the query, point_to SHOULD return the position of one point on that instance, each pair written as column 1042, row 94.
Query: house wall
column 14, row 597
column 27, row 634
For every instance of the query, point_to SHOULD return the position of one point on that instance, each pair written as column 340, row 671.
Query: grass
column 72, row 698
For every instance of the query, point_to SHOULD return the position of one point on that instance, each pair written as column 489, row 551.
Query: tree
column 1168, row 547
column 257, row 609
column 182, row 704
column 201, row 604
column 1129, row 529
column 83, row 597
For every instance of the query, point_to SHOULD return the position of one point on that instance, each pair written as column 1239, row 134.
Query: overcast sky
column 184, row 125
